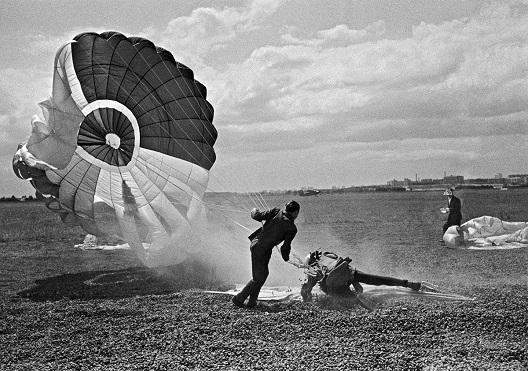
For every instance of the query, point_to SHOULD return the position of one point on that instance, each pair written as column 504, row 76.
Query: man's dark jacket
column 278, row 226
column 455, row 213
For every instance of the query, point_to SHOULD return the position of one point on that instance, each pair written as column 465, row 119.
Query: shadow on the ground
column 123, row 283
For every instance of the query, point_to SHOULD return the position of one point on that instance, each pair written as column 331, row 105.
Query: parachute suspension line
column 240, row 225
column 265, row 204
column 177, row 102
column 255, row 200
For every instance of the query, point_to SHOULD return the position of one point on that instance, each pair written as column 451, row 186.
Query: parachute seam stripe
column 173, row 137
column 170, row 101
column 93, row 62
column 166, row 112
column 167, row 121
column 161, row 85
column 219, row 207
column 146, row 164
column 124, row 62
column 141, row 78
column 146, row 199
column 148, row 188
column 110, row 64
column 69, row 171
column 76, row 187
column 199, row 116
column 213, row 135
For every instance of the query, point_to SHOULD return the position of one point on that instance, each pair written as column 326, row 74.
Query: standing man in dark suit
column 453, row 208
column 278, row 226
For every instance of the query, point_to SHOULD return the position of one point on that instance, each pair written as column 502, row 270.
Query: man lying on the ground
column 335, row 275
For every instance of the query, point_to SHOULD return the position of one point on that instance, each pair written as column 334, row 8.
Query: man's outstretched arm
column 266, row 215
column 286, row 246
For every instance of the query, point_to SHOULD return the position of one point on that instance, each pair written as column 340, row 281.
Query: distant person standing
column 278, row 226
column 453, row 208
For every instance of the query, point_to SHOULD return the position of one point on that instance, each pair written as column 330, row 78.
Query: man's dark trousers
column 259, row 267
column 452, row 219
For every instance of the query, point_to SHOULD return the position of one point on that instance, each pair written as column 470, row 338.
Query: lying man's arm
column 306, row 288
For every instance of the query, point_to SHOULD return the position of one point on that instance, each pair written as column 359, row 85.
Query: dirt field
column 66, row 309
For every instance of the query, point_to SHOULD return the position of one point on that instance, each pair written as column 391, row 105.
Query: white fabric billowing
column 159, row 221
column 194, row 176
column 54, row 138
column 487, row 233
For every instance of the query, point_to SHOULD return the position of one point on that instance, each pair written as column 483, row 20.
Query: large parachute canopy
column 127, row 129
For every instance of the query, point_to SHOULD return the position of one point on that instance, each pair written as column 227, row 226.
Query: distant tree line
column 37, row 198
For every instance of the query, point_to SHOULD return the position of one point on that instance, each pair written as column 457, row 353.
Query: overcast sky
column 309, row 93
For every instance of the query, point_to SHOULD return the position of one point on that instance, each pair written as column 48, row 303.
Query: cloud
column 208, row 29
column 461, row 78
column 21, row 90
column 338, row 35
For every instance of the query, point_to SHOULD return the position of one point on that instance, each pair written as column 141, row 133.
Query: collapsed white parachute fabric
column 373, row 295
column 487, row 233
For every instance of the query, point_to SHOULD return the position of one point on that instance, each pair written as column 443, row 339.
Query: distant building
column 498, row 176
column 395, row 183
column 454, row 179
column 518, row 179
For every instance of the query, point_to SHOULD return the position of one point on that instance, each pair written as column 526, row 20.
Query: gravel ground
column 66, row 309
column 194, row 330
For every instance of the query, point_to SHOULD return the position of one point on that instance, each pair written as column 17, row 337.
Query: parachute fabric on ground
column 375, row 295
column 129, row 126
column 487, row 233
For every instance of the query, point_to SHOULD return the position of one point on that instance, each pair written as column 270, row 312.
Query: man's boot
column 238, row 299
column 253, row 296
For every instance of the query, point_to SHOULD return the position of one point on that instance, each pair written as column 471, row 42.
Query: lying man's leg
column 372, row 279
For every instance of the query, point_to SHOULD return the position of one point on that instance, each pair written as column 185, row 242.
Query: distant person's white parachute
column 487, row 233
column 126, row 141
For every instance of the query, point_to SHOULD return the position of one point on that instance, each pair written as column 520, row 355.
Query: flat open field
column 66, row 309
